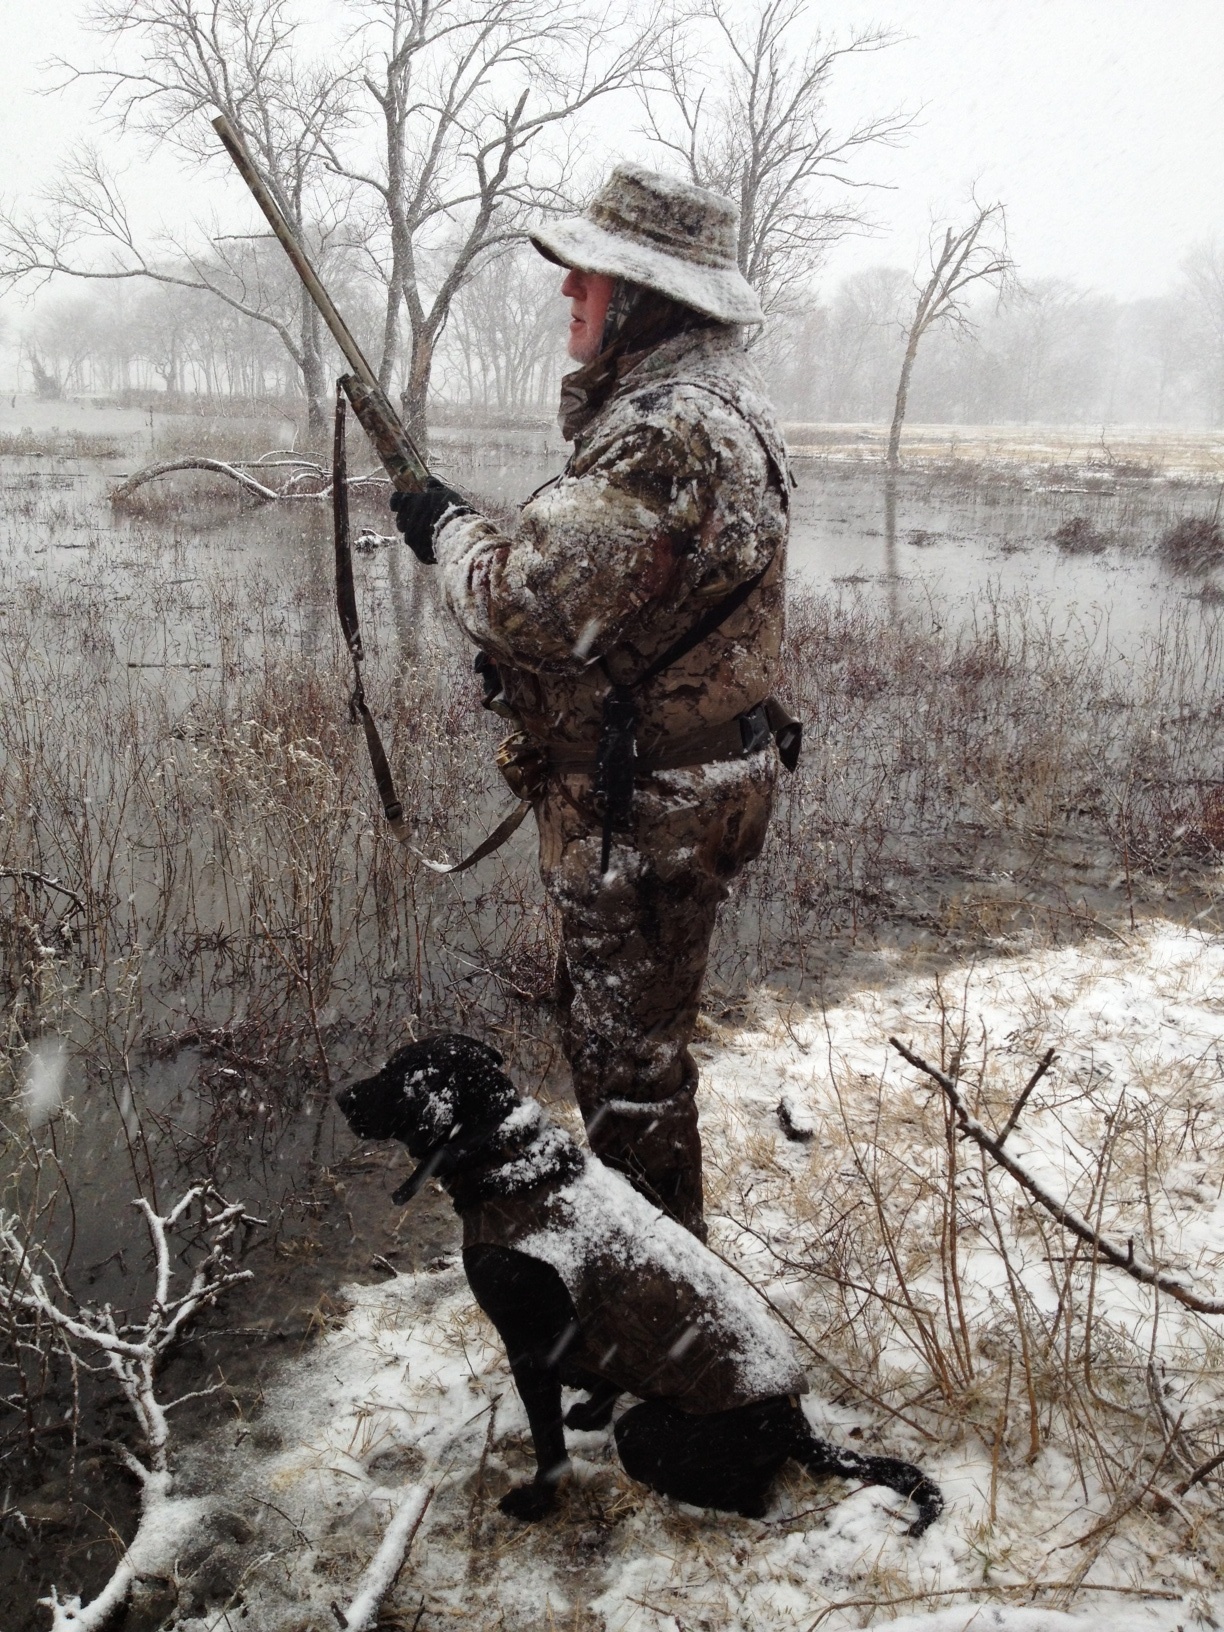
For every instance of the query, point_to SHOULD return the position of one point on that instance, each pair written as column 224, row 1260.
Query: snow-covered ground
column 1059, row 1407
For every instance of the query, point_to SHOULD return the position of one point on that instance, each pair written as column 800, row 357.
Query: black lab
column 589, row 1285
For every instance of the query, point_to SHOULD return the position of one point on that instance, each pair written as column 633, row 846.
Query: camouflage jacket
column 676, row 492
column 658, row 1314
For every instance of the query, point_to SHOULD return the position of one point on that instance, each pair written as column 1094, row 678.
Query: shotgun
column 374, row 412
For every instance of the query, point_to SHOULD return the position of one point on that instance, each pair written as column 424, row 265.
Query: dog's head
column 434, row 1096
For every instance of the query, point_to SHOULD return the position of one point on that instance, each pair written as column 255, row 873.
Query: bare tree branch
column 190, row 58
column 976, row 254
column 464, row 91
column 31, row 1286
column 1125, row 1259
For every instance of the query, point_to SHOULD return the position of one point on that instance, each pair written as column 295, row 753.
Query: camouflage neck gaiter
column 638, row 320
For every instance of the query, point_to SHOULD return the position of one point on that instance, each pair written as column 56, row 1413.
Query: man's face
column 588, row 294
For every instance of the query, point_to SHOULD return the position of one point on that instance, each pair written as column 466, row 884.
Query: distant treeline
column 1050, row 352
column 501, row 351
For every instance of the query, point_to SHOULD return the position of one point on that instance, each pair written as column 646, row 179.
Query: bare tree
column 464, row 93
column 839, row 360
column 748, row 118
column 192, row 58
column 976, row 255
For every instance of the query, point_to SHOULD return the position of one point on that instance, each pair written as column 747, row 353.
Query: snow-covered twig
column 29, row 876
column 387, row 1561
column 134, row 1352
column 1124, row 1258
column 1200, row 1473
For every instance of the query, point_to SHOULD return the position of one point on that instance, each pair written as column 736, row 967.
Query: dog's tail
column 821, row 1458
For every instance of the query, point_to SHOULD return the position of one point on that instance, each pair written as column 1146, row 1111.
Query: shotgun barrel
column 404, row 465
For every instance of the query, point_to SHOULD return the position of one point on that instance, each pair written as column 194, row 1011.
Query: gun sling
column 613, row 761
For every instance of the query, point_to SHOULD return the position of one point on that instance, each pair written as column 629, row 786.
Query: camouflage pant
column 634, row 949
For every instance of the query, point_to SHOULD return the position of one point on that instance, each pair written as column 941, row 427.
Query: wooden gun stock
column 383, row 426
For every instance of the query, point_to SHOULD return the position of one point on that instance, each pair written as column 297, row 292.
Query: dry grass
column 1078, row 536
column 64, row 444
column 208, row 436
column 965, row 784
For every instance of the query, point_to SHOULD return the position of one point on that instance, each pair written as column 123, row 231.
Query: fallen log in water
column 304, row 471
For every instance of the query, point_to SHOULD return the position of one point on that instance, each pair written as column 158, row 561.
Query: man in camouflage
column 672, row 509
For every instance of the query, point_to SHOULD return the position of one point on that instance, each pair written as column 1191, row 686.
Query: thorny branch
column 1121, row 1258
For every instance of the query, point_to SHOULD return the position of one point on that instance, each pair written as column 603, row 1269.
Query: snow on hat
column 661, row 232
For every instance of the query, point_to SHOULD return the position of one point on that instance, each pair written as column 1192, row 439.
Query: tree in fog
column 506, row 335
column 1157, row 358
column 960, row 266
column 840, row 360
column 187, row 59
column 423, row 144
column 59, row 347
column 1047, row 355
column 467, row 96
column 1053, row 352
column 742, row 105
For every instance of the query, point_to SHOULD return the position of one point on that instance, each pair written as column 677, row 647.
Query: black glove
column 417, row 514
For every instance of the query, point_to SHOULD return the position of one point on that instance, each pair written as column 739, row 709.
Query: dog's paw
column 529, row 1502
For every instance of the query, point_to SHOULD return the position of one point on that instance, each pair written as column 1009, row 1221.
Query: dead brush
column 1194, row 544
column 219, row 815
column 245, row 439
column 63, row 444
column 1006, row 737
column 232, row 899
column 1078, row 536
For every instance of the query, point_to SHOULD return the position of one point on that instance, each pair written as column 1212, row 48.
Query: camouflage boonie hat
column 661, row 232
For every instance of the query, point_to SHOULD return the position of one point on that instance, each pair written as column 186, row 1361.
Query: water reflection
column 891, row 573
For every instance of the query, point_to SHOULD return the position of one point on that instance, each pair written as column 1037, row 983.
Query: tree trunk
column 890, row 545
column 415, row 394
column 390, row 342
column 903, row 384
column 313, row 382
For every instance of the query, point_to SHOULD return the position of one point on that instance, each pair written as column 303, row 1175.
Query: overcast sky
column 1100, row 123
